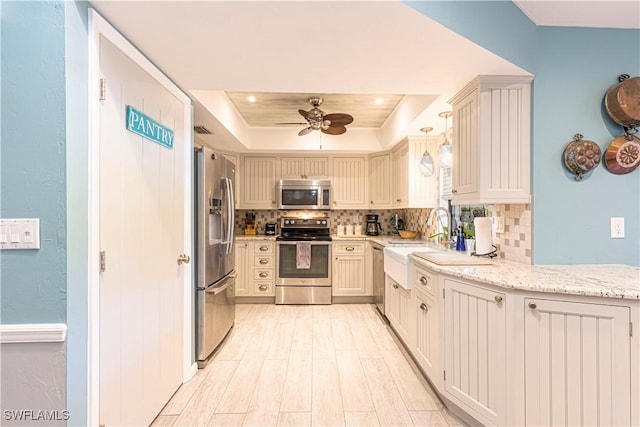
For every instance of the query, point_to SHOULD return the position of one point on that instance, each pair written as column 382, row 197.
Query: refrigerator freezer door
column 215, row 308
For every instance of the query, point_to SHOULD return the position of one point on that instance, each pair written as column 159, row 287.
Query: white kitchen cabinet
column 244, row 268
column 349, row 183
column 426, row 308
column 397, row 308
column 491, row 141
column 304, row 168
column 475, row 350
column 380, row 181
column 258, row 183
column 350, row 269
column 412, row 189
column 578, row 363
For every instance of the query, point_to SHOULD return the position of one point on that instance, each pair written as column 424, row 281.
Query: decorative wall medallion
column 623, row 154
column 581, row 156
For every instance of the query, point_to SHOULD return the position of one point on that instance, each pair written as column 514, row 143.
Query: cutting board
column 452, row 258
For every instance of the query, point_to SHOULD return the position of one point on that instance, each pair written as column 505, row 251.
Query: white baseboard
column 33, row 333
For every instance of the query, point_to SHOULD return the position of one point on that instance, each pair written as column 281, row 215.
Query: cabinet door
column 380, row 181
column 404, row 315
column 292, row 167
column 465, row 147
column 349, row 183
column 578, row 366
column 316, row 168
column 475, row 348
column 400, row 177
column 348, row 275
column 244, row 268
column 426, row 345
column 391, row 300
column 259, row 182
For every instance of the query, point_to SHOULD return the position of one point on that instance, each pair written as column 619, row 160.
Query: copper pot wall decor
column 622, row 101
column 581, row 156
column 623, row 154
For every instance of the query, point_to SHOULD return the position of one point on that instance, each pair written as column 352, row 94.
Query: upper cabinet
column 349, row 183
column 492, row 140
column 304, row 168
column 380, row 181
column 259, row 175
column 412, row 189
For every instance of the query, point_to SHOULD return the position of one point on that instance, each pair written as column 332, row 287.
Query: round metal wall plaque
column 581, row 156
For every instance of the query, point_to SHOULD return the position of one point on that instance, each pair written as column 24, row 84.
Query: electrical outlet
column 20, row 233
column 497, row 223
column 617, row 228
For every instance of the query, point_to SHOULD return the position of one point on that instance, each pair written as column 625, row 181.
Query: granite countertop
column 240, row 237
column 599, row 280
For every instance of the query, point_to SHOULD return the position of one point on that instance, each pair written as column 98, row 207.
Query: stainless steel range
column 304, row 261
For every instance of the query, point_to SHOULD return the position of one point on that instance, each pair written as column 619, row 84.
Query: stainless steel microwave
column 303, row 194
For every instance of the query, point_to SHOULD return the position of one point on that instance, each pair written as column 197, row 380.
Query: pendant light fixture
column 445, row 152
column 426, row 162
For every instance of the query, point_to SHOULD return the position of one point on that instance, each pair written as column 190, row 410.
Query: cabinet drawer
column 263, row 274
column 349, row 247
column 263, row 288
column 264, row 247
column 424, row 281
column 264, row 261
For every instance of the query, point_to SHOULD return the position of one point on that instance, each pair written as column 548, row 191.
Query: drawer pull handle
column 395, row 286
column 498, row 298
column 532, row 305
column 264, row 261
column 424, row 307
column 424, row 280
column 350, row 248
column 264, row 248
column 263, row 287
column 263, row 274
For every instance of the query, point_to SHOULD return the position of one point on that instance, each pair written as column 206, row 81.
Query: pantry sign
column 145, row 126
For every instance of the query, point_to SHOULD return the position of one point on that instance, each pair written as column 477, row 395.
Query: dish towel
column 303, row 255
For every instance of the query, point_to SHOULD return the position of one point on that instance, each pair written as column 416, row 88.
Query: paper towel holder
column 492, row 254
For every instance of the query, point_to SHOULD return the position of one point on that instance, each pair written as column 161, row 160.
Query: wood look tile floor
column 335, row 365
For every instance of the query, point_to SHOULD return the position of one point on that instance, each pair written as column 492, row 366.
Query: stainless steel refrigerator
column 215, row 262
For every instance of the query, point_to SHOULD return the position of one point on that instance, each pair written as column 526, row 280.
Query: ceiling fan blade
column 304, row 114
column 339, row 119
column 334, row 130
column 305, row 131
column 291, row 123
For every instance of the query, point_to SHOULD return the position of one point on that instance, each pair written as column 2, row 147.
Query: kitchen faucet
column 433, row 214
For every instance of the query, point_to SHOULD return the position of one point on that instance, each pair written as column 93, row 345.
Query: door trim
column 99, row 27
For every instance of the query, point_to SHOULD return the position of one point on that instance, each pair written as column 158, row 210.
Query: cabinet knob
column 263, row 274
column 395, row 286
column 263, row 287
column 424, row 280
column 273, row 202
column 183, row 258
column 454, row 191
column 397, row 200
column 532, row 305
column 264, row 248
column 350, row 248
column 424, row 307
column 498, row 298
column 372, row 202
column 264, row 261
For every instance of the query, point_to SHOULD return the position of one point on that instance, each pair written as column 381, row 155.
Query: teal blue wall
column 34, row 282
column 573, row 68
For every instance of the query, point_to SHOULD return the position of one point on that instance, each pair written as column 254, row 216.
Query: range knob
column 293, row 221
column 286, row 221
column 324, row 222
column 317, row 222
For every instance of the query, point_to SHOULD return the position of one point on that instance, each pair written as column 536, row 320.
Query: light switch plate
column 617, row 228
column 20, row 233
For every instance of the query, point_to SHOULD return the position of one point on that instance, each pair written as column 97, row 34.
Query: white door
column 141, row 234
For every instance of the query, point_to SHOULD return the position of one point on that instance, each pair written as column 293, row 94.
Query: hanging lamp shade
column 426, row 161
column 445, row 152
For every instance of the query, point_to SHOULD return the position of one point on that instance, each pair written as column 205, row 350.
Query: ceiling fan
column 331, row 124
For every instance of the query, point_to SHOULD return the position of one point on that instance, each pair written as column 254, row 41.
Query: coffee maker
column 373, row 226
column 250, row 223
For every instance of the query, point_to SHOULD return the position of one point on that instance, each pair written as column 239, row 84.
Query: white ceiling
column 580, row 13
column 337, row 47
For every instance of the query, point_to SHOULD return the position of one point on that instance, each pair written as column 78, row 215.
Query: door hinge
column 630, row 329
column 103, row 90
column 444, row 375
column 103, row 261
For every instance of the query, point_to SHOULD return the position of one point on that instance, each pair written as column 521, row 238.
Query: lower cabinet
column 350, row 269
column 427, row 335
column 577, row 363
column 475, row 350
column 397, row 308
column 255, row 267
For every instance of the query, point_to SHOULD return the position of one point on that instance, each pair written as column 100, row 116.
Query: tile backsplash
column 513, row 245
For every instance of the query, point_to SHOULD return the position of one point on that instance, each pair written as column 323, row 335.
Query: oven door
column 319, row 273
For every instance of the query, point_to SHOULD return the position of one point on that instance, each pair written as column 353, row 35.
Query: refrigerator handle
column 230, row 216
